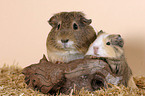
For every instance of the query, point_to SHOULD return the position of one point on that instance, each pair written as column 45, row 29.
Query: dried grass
column 12, row 84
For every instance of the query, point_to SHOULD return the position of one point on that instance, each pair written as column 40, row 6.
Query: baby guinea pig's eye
column 108, row 43
column 58, row 26
column 75, row 26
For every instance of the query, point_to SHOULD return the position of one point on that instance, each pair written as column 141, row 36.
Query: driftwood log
column 91, row 74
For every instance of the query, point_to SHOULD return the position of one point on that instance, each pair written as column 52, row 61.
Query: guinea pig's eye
column 75, row 26
column 108, row 43
column 58, row 26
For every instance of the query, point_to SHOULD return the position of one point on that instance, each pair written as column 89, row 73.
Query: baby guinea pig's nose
column 64, row 40
column 95, row 50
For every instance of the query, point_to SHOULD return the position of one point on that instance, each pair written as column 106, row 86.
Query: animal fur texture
column 110, row 47
column 70, row 36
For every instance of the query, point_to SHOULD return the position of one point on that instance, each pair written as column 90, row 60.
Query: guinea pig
column 107, row 45
column 110, row 48
column 70, row 36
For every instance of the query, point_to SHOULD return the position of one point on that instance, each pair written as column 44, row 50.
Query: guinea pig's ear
column 117, row 40
column 53, row 21
column 100, row 32
column 85, row 21
column 121, row 41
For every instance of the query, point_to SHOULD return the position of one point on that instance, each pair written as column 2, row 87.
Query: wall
column 24, row 27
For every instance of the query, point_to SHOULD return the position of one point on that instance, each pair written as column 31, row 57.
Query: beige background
column 24, row 27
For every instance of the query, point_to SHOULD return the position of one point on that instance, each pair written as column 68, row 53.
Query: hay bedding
column 12, row 84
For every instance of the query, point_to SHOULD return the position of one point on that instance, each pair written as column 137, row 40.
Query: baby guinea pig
column 70, row 36
column 107, row 45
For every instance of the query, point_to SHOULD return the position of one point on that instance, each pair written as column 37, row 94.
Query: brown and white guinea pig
column 107, row 45
column 110, row 48
column 70, row 36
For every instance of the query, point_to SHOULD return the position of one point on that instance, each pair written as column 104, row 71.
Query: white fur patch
column 69, row 44
column 100, row 44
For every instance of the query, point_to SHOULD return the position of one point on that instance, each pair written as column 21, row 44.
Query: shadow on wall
column 135, row 52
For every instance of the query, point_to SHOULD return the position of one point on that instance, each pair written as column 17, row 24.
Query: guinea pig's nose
column 95, row 50
column 64, row 41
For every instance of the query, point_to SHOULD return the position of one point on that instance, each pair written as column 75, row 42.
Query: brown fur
column 82, row 37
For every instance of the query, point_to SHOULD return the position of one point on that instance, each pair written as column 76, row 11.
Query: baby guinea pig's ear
column 117, row 40
column 53, row 21
column 100, row 32
column 121, row 41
